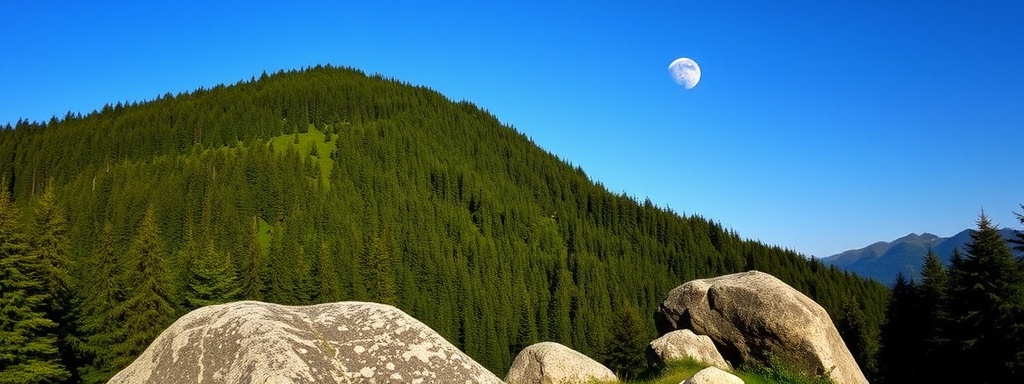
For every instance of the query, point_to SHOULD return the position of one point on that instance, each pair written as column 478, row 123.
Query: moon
column 685, row 71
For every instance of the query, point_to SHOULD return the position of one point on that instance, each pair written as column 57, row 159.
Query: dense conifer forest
column 325, row 184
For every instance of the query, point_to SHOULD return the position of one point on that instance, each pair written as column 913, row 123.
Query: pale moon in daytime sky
column 685, row 71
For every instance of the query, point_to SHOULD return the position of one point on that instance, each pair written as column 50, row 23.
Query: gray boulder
column 684, row 344
column 712, row 375
column 255, row 342
column 553, row 363
column 753, row 316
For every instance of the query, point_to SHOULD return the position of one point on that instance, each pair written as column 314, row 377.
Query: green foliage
column 100, row 317
column 986, row 295
column 970, row 315
column 625, row 353
column 212, row 279
column 28, row 338
column 148, row 308
column 859, row 338
column 425, row 203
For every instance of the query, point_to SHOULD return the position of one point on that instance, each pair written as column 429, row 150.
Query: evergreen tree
column 252, row 265
column 100, row 317
column 28, row 339
column 852, row 326
column 49, row 247
column 933, row 299
column 328, row 284
column 900, row 336
column 987, row 302
column 148, row 309
column 212, row 281
column 624, row 353
column 379, row 272
column 1018, row 242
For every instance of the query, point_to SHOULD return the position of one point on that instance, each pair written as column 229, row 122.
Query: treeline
column 966, row 321
column 324, row 185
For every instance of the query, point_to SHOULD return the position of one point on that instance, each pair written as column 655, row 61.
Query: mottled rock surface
column 553, row 363
column 347, row 342
column 753, row 315
column 685, row 344
column 712, row 375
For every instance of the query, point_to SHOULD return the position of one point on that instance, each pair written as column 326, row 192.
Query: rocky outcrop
column 553, row 363
column 684, row 344
column 752, row 315
column 712, row 375
column 347, row 342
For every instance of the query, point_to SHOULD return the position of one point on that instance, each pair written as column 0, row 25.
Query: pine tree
column 1018, row 242
column 987, row 302
column 624, row 353
column 379, row 272
column 328, row 284
column 100, row 317
column 213, row 279
column 899, row 336
column 49, row 247
column 148, row 308
column 852, row 326
column 933, row 298
column 252, row 265
column 28, row 339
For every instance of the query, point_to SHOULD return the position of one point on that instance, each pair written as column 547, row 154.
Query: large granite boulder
column 553, row 363
column 753, row 316
column 684, row 344
column 712, row 375
column 347, row 342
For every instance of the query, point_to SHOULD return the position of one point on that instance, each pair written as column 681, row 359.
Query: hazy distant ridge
column 883, row 260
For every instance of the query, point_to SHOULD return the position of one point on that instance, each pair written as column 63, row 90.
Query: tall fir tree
column 252, row 265
column 49, row 246
column 987, row 303
column 852, row 326
column 1018, row 241
column 624, row 352
column 212, row 279
column 933, row 301
column 149, row 307
column 28, row 338
column 328, row 284
column 900, row 335
column 100, row 315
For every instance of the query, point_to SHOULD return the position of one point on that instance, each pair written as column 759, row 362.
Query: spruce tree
column 49, row 247
column 328, row 284
column 899, row 336
column 28, row 339
column 933, row 300
column 100, row 315
column 624, row 353
column 212, row 279
column 252, row 265
column 148, row 308
column 852, row 326
column 1018, row 242
column 987, row 298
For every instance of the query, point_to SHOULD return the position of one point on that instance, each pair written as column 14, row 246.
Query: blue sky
column 816, row 126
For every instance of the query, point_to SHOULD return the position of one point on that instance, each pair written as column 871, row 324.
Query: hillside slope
column 326, row 184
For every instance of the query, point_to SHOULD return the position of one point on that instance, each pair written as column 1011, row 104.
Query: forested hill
column 326, row 184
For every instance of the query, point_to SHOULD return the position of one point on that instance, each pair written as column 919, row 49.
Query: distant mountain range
column 883, row 260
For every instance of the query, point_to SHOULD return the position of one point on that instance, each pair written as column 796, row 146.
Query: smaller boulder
column 684, row 344
column 712, row 375
column 553, row 363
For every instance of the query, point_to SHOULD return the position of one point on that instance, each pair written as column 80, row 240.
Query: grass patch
column 680, row 370
column 313, row 143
